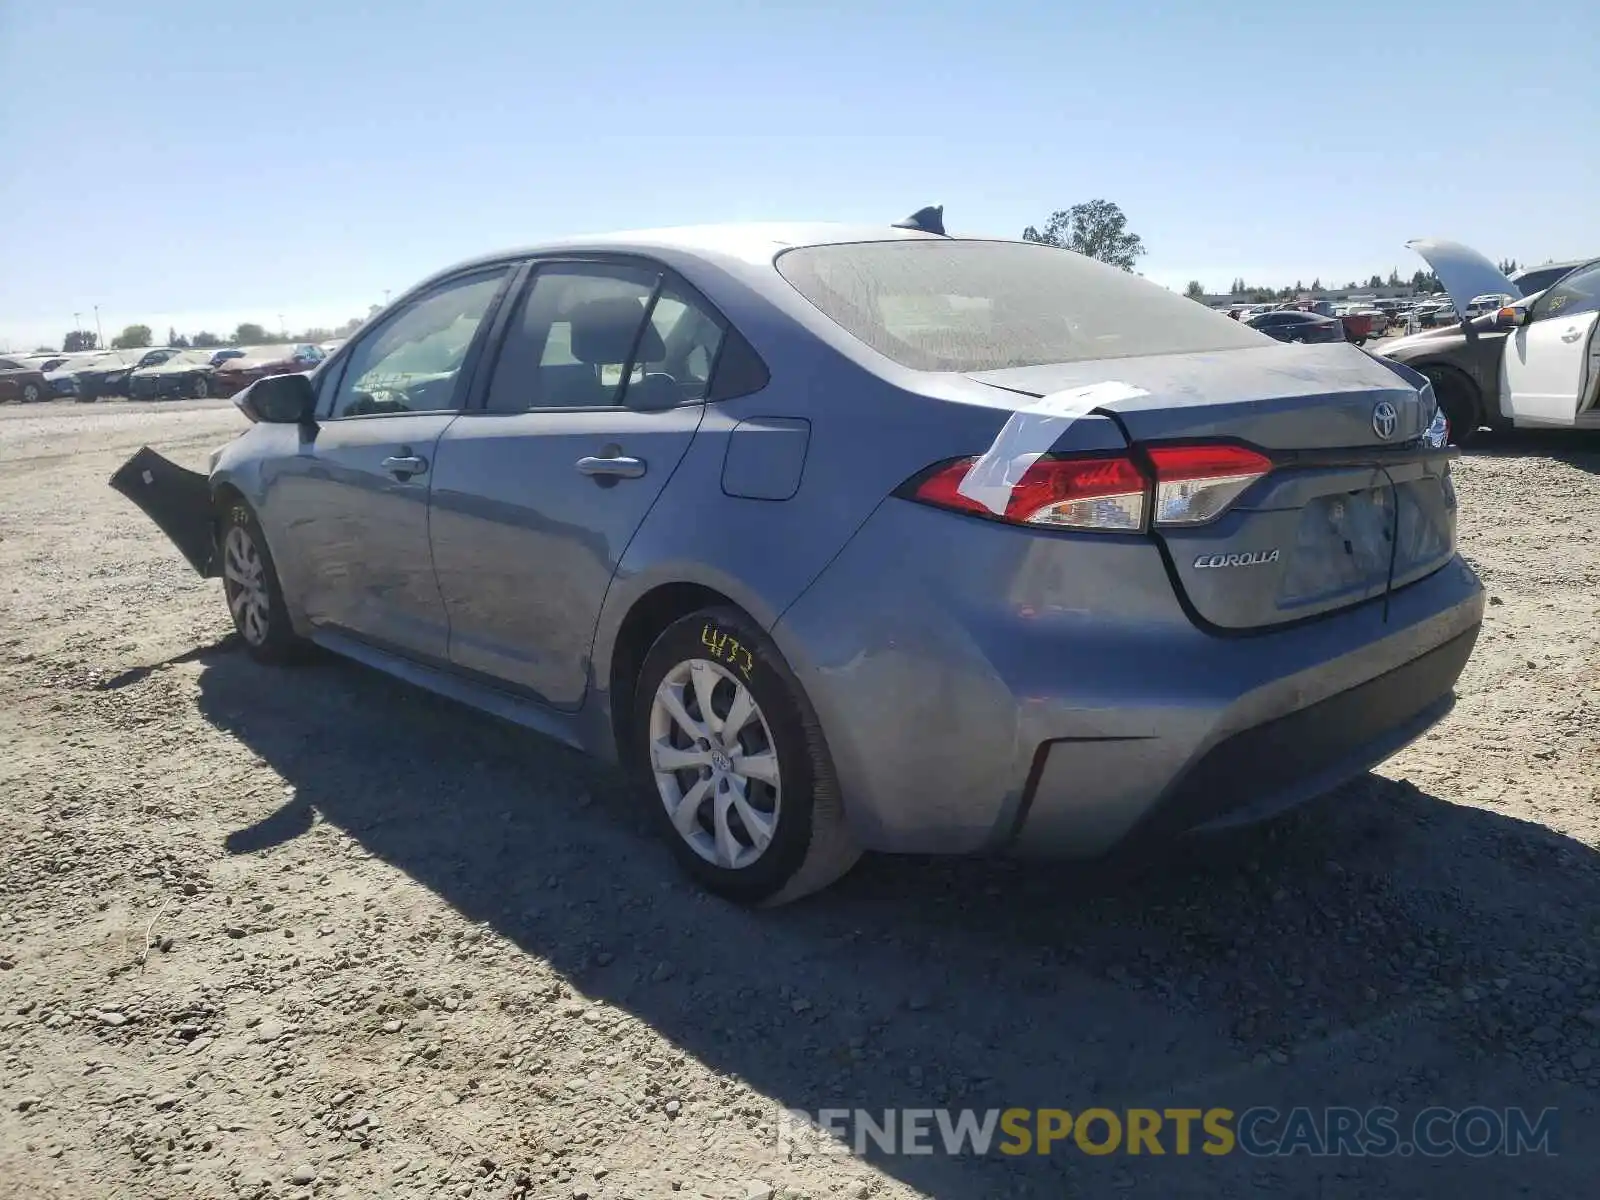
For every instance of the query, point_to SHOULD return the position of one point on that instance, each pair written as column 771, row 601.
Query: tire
column 30, row 393
column 1459, row 401
column 198, row 389
column 795, row 839
column 250, row 585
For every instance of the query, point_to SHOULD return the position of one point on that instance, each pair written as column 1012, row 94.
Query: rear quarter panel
column 872, row 426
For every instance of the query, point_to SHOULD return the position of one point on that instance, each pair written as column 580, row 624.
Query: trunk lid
column 1343, row 516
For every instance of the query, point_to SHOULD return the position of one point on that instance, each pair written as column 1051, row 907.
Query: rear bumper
column 1255, row 773
column 984, row 690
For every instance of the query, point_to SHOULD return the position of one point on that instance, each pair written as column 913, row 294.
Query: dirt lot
column 310, row 932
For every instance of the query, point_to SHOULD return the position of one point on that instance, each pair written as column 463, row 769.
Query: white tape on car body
column 1028, row 434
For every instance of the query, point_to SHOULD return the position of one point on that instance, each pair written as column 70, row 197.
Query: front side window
column 587, row 334
column 1577, row 293
column 951, row 305
column 412, row 362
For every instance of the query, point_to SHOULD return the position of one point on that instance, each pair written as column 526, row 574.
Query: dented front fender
column 177, row 500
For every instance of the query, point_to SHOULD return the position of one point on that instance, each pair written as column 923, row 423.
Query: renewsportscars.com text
column 1260, row 1131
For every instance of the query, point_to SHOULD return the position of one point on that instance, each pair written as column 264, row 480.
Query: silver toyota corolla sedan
column 846, row 538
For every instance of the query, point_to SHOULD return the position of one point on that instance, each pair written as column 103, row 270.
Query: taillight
column 1106, row 494
column 1195, row 484
column 1113, row 494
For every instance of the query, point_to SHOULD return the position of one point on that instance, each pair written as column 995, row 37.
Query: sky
column 195, row 164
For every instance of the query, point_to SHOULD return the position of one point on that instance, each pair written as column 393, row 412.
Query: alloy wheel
column 198, row 389
column 715, row 763
column 30, row 392
column 244, row 579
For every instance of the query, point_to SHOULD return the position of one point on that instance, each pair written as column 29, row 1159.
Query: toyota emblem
column 1384, row 420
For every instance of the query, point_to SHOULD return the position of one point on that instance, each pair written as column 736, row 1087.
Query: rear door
column 598, row 389
column 1339, row 518
column 1549, row 366
column 347, row 516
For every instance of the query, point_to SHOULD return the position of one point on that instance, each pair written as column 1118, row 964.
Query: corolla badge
column 1385, row 419
column 1255, row 558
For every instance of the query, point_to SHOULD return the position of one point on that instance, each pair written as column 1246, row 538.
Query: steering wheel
column 378, row 400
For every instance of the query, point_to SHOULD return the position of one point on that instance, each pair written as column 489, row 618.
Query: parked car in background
column 20, row 380
column 1292, row 325
column 109, row 377
column 187, row 374
column 549, row 483
column 63, row 378
column 44, row 362
column 239, row 371
column 1534, row 362
column 1536, row 279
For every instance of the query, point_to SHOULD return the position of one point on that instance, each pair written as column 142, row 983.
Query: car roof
column 749, row 243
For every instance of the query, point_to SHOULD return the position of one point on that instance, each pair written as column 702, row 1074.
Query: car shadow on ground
column 1576, row 447
column 1355, row 953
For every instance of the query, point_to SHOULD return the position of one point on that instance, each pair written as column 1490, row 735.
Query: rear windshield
column 979, row 306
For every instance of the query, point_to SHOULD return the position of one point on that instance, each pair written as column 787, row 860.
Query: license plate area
column 1343, row 547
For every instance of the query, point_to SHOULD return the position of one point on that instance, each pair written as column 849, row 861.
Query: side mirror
column 279, row 400
column 1510, row 317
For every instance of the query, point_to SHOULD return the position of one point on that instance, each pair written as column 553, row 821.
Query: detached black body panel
column 177, row 500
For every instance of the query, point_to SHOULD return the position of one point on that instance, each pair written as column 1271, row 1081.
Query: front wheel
column 198, row 390
column 30, row 393
column 1460, row 406
column 250, row 584
column 733, row 765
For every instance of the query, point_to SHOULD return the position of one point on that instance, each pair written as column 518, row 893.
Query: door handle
column 405, row 465
column 617, row 467
column 1572, row 334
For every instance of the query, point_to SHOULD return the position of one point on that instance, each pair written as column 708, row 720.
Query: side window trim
column 467, row 378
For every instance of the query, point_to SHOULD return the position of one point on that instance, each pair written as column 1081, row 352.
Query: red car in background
column 22, row 381
column 257, row 362
column 1357, row 326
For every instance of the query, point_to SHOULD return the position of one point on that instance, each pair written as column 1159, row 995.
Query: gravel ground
column 311, row 932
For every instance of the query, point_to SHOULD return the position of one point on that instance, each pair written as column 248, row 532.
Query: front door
column 1549, row 366
column 347, row 514
column 597, row 392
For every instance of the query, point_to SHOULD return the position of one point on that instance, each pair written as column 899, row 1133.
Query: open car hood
column 1464, row 272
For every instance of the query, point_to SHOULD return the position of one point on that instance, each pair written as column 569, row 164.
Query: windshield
column 950, row 305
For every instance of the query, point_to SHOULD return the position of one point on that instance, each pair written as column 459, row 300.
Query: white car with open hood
column 1532, row 363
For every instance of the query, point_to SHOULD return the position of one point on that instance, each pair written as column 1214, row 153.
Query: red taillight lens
column 1107, row 494
column 1194, row 484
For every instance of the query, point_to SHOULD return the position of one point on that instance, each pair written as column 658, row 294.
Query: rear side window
column 589, row 335
column 951, row 305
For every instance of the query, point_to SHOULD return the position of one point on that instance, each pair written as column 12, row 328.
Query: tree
column 134, row 337
column 174, row 338
column 44, row 349
column 1507, row 265
column 1096, row 228
column 1375, row 282
column 1195, row 291
column 1316, row 284
column 249, row 333
column 204, row 340
column 349, row 327
column 79, row 340
column 1394, row 278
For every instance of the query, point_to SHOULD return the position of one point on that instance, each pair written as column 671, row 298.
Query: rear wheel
column 250, row 584
column 198, row 389
column 732, row 763
column 30, row 393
